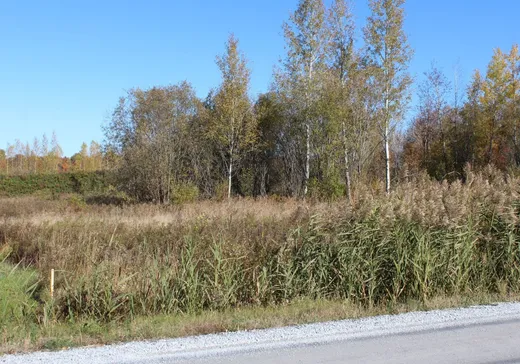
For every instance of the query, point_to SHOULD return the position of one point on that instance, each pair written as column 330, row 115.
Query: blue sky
column 64, row 64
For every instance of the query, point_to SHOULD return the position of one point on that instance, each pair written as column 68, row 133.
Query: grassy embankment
column 144, row 271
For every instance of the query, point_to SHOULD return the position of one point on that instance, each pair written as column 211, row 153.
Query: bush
column 85, row 182
column 246, row 179
column 221, row 191
column 76, row 202
column 184, row 192
column 110, row 196
column 328, row 189
column 52, row 184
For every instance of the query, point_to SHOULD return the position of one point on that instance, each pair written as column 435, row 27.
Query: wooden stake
column 52, row 283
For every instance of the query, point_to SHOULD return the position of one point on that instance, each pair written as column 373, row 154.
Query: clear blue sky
column 64, row 64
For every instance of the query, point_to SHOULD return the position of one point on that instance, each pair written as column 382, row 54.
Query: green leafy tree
column 494, row 103
column 96, row 156
column 36, row 153
column 269, row 114
column 472, row 115
column 232, row 126
column 83, row 157
column 149, row 130
column 513, row 93
column 56, row 153
column 341, row 96
column 389, row 54
column 46, row 157
column 306, row 37
column 3, row 161
column 433, row 126
column 10, row 154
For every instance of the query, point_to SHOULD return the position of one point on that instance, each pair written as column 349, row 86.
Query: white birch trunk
column 308, row 136
column 347, row 166
column 307, row 159
column 230, row 172
column 387, row 145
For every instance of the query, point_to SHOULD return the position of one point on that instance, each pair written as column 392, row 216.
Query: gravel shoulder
column 227, row 344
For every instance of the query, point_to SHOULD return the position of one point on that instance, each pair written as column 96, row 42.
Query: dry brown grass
column 426, row 241
column 431, row 203
column 421, row 200
column 37, row 211
column 78, row 239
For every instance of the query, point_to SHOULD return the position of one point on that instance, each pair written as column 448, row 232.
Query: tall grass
column 19, row 287
column 426, row 239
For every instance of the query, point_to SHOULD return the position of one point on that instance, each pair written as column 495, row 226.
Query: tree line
column 44, row 157
column 325, row 126
column 330, row 123
column 447, row 135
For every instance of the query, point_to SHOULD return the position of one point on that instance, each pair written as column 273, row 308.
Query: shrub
column 246, row 179
column 76, row 202
column 327, row 189
column 110, row 196
column 52, row 184
column 183, row 192
column 221, row 191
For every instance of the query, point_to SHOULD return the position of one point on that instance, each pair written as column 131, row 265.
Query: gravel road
column 478, row 334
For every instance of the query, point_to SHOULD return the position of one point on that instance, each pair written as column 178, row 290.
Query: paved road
column 483, row 344
column 480, row 334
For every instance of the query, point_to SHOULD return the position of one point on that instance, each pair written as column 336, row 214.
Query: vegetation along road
column 478, row 334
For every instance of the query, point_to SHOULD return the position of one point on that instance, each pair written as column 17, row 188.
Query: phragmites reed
column 424, row 239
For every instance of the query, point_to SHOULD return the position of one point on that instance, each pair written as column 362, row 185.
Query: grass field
column 144, row 271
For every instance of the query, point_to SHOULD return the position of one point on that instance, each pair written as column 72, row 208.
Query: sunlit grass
column 426, row 245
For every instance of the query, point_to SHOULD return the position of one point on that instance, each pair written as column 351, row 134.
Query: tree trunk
column 515, row 125
column 308, row 134
column 387, row 159
column 444, row 148
column 347, row 166
column 230, row 172
column 307, row 159
column 263, row 180
column 387, row 145
column 490, row 146
column 168, row 188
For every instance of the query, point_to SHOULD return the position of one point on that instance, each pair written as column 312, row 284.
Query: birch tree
column 433, row 109
column 306, row 39
column 83, row 154
column 389, row 54
column 10, row 154
column 233, row 125
column 343, row 66
column 513, row 70
column 3, row 162
column 56, row 153
column 37, row 154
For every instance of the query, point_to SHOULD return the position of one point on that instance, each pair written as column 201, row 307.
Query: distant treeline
column 40, row 157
